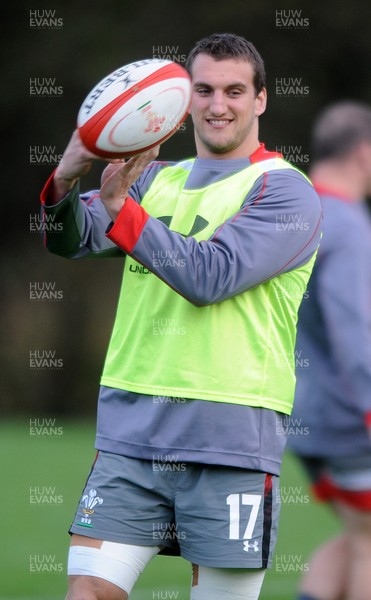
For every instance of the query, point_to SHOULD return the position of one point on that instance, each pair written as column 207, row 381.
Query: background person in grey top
column 333, row 394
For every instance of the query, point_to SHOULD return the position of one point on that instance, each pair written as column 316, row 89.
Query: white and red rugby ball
column 135, row 108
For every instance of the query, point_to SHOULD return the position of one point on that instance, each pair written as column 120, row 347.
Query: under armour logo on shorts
column 248, row 545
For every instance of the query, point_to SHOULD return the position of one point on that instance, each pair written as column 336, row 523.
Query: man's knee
column 221, row 584
column 93, row 588
column 107, row 570
column 355, row 520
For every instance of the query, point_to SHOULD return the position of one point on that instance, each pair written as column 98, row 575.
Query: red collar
column 324, row 190
column 262, row 154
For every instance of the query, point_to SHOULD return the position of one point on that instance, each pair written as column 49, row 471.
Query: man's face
column 225, row 107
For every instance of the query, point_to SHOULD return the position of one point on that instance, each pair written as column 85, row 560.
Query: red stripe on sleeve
column 128, row 226
column 46, row 196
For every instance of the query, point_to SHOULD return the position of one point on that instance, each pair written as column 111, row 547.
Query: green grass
column 35, row 540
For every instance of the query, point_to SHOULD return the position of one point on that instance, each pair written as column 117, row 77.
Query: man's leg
column 358, row 531
column 341, row 568
column 101, row 570
column 125, row 501
column 227, row 518
column 327, row 573
column 221, row 584
column 92, row 588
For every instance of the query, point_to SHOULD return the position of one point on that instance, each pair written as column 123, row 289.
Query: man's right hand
column 76, row 162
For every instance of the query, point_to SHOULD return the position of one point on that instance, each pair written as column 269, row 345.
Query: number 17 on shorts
column 253, row 522
column 237, row 529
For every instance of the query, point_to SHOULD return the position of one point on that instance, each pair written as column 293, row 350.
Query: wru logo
column 90, row 500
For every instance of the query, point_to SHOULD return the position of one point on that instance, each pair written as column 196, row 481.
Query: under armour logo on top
column 198, row 225
column 254, row 545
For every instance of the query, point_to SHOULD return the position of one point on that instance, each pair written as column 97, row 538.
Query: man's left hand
column 119, row 176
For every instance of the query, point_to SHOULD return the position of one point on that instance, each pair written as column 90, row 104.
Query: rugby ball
column 135, row 108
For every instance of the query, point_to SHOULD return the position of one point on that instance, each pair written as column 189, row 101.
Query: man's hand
column 76, row 162
column 119, row 176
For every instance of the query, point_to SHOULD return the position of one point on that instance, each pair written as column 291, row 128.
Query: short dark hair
column 339, row 129
column 229, row 45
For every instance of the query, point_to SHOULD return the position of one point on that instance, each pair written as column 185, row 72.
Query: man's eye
column 203, row 91
column 234, row 93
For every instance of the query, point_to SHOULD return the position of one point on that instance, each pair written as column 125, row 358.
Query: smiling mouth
column 219, row 122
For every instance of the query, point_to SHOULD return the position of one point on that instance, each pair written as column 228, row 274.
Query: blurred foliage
column 331, row 56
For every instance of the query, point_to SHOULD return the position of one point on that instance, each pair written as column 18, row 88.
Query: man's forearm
column 61, row 187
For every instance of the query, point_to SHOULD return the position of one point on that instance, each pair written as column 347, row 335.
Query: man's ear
column 261, row 102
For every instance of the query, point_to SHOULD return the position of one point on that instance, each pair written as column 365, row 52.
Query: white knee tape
column 225, row 584
column 120, row 564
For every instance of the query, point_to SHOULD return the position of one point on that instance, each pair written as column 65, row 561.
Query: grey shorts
column 212, row 516
column 347, row 473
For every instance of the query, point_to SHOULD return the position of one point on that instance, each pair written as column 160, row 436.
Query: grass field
column 44, row 465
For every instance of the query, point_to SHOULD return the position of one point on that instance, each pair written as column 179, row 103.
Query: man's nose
column 218, row 104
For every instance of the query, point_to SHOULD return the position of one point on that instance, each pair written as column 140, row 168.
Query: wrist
column 113, row 207
column 63, row 185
